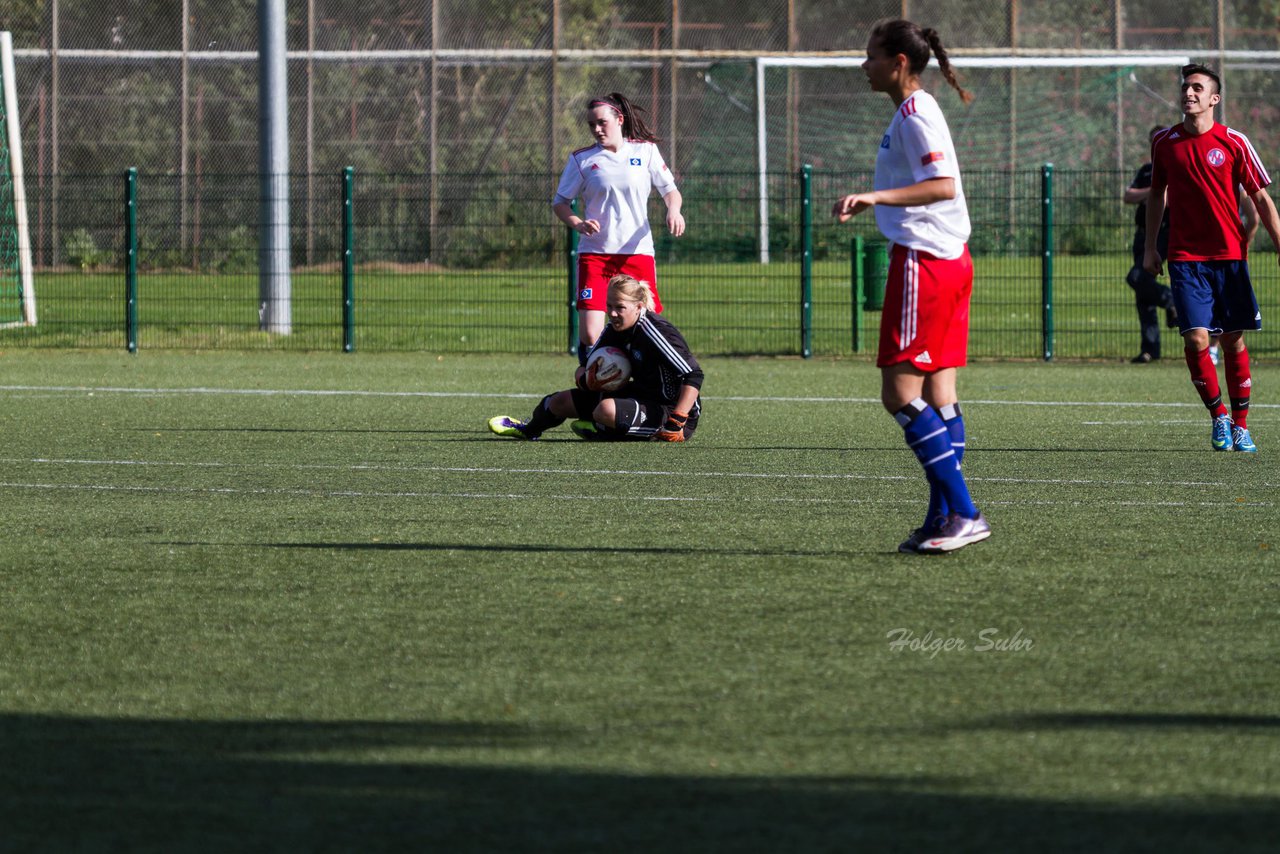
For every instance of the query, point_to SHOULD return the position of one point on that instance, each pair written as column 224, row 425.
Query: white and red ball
column 609, row 367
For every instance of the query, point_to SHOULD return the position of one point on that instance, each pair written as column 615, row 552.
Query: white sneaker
column 957, row 532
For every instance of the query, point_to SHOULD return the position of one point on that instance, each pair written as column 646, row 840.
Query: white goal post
column 13, row 142
column 1118, row 60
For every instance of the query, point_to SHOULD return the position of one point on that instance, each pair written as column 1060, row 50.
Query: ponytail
column 916, row 43
column 944, row 63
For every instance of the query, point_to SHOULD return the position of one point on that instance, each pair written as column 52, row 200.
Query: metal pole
column 433, row 168
column 856, row 279
column 348, row 261
column 131, row 260
column 55, row 101
column 274, row 291
column 673, row 112
column 184, row 142
column 1046, row 263
column 806, row 261
column 762, row 163
column 311, row 130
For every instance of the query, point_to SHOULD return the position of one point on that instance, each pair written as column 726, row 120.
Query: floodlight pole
column 274, row 290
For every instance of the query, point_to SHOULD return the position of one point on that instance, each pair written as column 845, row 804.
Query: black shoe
column 1142, row 359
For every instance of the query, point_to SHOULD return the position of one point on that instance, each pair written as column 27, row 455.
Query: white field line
column 375, row 467
column 514, row 496
column 266, row 392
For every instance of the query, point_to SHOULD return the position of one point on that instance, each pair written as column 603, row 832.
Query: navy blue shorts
column 1214, row 295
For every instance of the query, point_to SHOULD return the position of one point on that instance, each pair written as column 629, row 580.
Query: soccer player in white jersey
column 924, row 329
column 614, row 177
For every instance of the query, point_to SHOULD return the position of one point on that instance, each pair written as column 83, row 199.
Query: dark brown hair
column 896, row 36
column 1197, row 68
column 632, row 126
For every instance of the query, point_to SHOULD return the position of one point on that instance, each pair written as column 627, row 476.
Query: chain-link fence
column 506, row 286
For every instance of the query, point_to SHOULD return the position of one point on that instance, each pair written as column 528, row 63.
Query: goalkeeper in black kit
column 660, row 401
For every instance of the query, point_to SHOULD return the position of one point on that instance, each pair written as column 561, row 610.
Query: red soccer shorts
column 926, row 310
column 595, row 271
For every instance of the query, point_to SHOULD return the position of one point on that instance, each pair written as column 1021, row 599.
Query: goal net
column 17, row 283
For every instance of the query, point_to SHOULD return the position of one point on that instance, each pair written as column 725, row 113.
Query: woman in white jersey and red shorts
column 614, row 177
column 924, row 330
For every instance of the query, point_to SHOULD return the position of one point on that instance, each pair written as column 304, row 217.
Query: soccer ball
column 610, row 367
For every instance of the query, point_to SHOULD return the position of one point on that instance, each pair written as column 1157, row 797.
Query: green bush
column 81, row 250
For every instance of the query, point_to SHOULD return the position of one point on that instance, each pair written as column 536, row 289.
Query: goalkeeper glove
column 673, row 428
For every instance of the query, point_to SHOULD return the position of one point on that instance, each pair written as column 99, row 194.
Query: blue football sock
column 954, row 422
column 930, row 440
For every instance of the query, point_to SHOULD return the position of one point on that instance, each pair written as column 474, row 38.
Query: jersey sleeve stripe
column 665, row 347
column 1251, row 156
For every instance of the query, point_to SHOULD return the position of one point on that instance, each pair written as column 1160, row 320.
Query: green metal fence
column 149, row 262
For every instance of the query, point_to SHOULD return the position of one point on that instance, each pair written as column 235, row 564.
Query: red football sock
column 1204, row 376
column 1239, row 384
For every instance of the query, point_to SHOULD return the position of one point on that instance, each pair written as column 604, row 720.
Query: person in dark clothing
column 1149, row 295
column 661, row 401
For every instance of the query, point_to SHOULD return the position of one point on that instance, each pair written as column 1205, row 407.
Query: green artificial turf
column 307, row 602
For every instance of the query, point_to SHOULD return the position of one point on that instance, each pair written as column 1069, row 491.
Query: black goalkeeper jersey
column 660, row 361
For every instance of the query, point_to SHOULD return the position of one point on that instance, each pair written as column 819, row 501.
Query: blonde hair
column 631, row 290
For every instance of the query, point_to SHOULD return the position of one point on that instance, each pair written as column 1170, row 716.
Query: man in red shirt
column 1197, row 166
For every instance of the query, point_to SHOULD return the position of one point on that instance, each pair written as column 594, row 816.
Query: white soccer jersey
column 918, row 147
column 615, row 190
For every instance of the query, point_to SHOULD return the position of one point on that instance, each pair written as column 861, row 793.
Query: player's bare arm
column 565, row 214
column 1249, row 213
column 1136, row 195
column 913, row 195
column 675, row 219
column 688, row 397
column 1268, row 217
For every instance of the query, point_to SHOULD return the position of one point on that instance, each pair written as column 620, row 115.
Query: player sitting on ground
column 660, row 402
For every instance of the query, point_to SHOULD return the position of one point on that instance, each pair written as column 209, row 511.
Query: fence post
column 1046, row 263
column 858, row 283
column 806, row 261
column 348, row 261
column 571, row 259
column 131, row 260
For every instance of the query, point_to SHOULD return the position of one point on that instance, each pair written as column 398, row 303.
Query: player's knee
column 1232, row 342
column 605, row 413
column 1196, row 340
column 560, row 404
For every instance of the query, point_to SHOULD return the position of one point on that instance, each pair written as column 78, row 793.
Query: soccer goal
column 17, row 282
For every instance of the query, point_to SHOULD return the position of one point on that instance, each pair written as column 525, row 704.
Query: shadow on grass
column 76, row 783
column 1126, row 720
column 525, row 548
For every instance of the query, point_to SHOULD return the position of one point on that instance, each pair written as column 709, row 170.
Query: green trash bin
column 875, row 272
